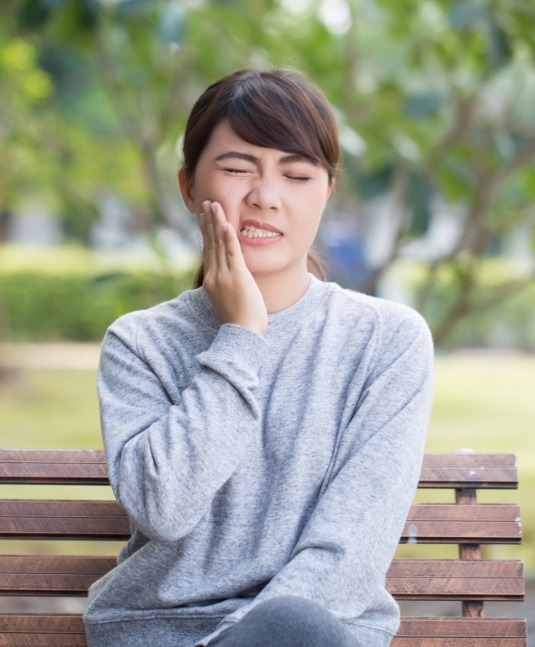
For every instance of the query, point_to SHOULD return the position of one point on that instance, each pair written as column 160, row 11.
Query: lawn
column 484, row 401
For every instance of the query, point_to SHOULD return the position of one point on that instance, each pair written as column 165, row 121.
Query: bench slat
column 88, row 466
column 39, row 575
column 43, row 508
column 42, row 630
column 461, row 641
column 450, row 477
column 426, row 523
column 454, row 523
column 42, row 519
column 40, row 640
column 407, row 579
column 459, row 628
column 461, row 632
column 52, row 466
column 464, row 470
column 450, row 579
column 51, row 575
column 68, row 631
column 467, row 459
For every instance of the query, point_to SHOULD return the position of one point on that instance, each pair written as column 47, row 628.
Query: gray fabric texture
column 287, row 621
column 256, row 467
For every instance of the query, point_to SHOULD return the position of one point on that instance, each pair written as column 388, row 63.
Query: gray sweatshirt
column 253, row 467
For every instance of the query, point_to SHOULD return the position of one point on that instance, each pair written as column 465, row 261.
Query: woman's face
column 273, row 199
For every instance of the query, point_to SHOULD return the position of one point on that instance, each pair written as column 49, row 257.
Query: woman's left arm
column 344, row 552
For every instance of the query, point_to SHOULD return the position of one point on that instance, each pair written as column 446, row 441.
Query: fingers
column 212, row 219
column 230, row 286
column 206, row 225
column 214, row 228
column 226, row 243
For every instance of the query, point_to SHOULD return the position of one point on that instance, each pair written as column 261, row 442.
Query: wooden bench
column 464, row 522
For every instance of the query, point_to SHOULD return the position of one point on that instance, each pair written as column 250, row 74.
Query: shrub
column 59, row 302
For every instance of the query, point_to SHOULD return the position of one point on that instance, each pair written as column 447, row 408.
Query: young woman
column 264, row 431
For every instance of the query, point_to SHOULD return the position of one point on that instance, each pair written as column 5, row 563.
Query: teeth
column 253, row 232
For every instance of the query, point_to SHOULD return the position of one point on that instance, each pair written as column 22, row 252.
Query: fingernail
column 213, row 208
column 206, row 205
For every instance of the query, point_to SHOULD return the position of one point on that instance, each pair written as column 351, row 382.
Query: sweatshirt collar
column 289, row 317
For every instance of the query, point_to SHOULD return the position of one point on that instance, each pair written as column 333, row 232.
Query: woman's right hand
column 231, row 288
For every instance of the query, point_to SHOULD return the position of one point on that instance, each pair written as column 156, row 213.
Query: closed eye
column 237, row 171
column 298, row 178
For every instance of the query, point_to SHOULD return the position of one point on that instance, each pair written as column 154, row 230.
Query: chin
column 275, row 269
column 265, row 262
column 263, row 269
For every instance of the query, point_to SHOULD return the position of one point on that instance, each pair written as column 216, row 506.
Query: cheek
column 230, row 199
column 310, row 216
column 226, row 193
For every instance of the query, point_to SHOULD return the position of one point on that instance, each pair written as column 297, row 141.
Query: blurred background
column 435, row 103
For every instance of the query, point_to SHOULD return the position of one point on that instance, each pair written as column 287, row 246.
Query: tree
column 434, row 103
column 449, row 116
column 24, row 89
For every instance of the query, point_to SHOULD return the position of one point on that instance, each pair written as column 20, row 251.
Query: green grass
column 483, row 401
column 50, row 409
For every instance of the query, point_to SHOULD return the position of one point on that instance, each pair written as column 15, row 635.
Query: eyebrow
column 293, row 157
column 236, row 155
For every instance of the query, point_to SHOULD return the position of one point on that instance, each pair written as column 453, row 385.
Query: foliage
column 512, row 325
column 25, row 88
column 434, row 101
column 77, row 298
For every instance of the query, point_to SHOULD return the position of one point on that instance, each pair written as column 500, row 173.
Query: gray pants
column 287, row 622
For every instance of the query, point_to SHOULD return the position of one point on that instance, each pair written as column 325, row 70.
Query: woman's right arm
column 167, row 460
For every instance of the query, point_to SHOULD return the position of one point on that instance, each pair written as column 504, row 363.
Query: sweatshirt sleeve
column 345, row 550
column 167, row 460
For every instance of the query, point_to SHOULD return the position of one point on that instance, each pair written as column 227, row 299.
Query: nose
column 264, row 194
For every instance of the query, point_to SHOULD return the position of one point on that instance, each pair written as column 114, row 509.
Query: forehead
column 223, row 140
column 223, row 135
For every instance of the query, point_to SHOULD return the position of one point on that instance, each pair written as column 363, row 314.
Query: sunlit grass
column 485, row 401
column 50, row 409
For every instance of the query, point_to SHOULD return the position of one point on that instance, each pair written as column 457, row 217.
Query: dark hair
column 277, row 108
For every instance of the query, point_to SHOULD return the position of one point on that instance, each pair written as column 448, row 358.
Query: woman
column 264, row 432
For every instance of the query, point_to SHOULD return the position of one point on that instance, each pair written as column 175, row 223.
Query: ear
column 186, row 190
column 331, row 187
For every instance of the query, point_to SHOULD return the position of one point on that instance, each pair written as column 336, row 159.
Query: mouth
column 252, row 230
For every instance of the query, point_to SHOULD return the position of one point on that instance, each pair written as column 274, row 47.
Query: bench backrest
column 27, row 570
